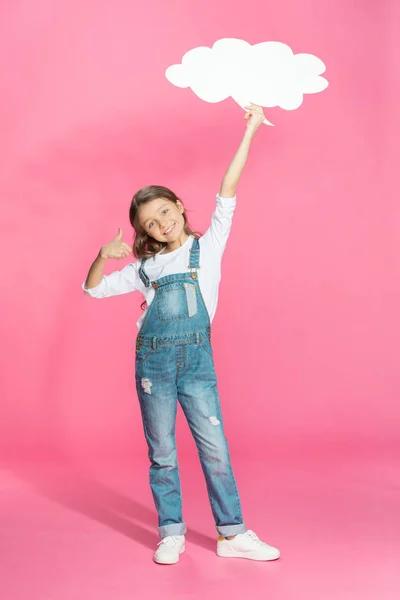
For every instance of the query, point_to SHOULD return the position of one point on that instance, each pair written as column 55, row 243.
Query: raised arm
column 254, row 116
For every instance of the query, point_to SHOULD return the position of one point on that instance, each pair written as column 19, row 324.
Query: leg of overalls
column 157, row 393
column 198, row 396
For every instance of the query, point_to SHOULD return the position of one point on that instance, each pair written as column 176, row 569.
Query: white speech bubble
column 268, row 74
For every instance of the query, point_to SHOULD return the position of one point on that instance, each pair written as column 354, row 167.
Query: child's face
column 162, row 220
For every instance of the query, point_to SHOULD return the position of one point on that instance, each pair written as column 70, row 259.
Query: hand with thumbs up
column 116, row 248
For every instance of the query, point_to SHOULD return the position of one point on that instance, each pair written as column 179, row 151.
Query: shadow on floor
column 71, row 485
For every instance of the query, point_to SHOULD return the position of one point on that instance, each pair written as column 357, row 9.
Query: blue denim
column 174, row 362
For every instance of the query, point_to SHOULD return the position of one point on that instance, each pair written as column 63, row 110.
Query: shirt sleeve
column 118, row 282
column 221, row 222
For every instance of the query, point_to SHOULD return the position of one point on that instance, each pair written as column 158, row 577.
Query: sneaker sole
column 248, row 556
column 173, row 562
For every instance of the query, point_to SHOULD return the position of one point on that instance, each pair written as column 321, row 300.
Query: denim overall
column 174, row 361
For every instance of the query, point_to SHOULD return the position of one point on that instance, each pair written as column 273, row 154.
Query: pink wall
column 307, row 331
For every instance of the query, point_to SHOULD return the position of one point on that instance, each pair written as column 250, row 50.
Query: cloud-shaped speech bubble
column 268, row 74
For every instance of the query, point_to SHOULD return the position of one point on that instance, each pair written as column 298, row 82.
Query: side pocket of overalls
column 206, row 344
column 142, row 352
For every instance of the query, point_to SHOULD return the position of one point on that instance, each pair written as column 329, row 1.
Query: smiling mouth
column 167, row 231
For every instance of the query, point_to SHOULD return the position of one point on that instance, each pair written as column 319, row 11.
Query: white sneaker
column 169, row 549
column 246, row 545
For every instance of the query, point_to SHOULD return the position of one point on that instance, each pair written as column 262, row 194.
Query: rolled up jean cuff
column 172, row 529
column 228, row 530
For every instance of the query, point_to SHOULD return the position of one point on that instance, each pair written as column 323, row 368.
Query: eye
column 164, row 212
column 151, row 225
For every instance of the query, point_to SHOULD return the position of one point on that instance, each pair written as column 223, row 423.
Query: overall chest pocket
column 177, row 302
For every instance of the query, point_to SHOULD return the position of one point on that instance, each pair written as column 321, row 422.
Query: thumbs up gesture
column 116, row 248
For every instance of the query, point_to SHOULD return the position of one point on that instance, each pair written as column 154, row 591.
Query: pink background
column 307, row 331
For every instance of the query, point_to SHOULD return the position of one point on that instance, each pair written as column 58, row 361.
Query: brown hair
column 144, row 246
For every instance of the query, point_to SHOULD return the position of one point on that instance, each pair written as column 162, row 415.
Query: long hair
column 144, row 246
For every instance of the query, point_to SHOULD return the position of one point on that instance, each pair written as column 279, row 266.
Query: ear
column 180, row 206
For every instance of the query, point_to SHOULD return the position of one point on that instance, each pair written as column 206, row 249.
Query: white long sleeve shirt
column 212, row 246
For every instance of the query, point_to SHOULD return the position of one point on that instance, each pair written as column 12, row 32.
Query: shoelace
column 254, row 537
column 169, row 540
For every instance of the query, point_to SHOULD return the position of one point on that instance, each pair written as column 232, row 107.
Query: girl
column 178, row 273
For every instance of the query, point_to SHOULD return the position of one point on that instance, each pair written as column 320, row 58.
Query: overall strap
column 143, row 274
column 194, row 262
